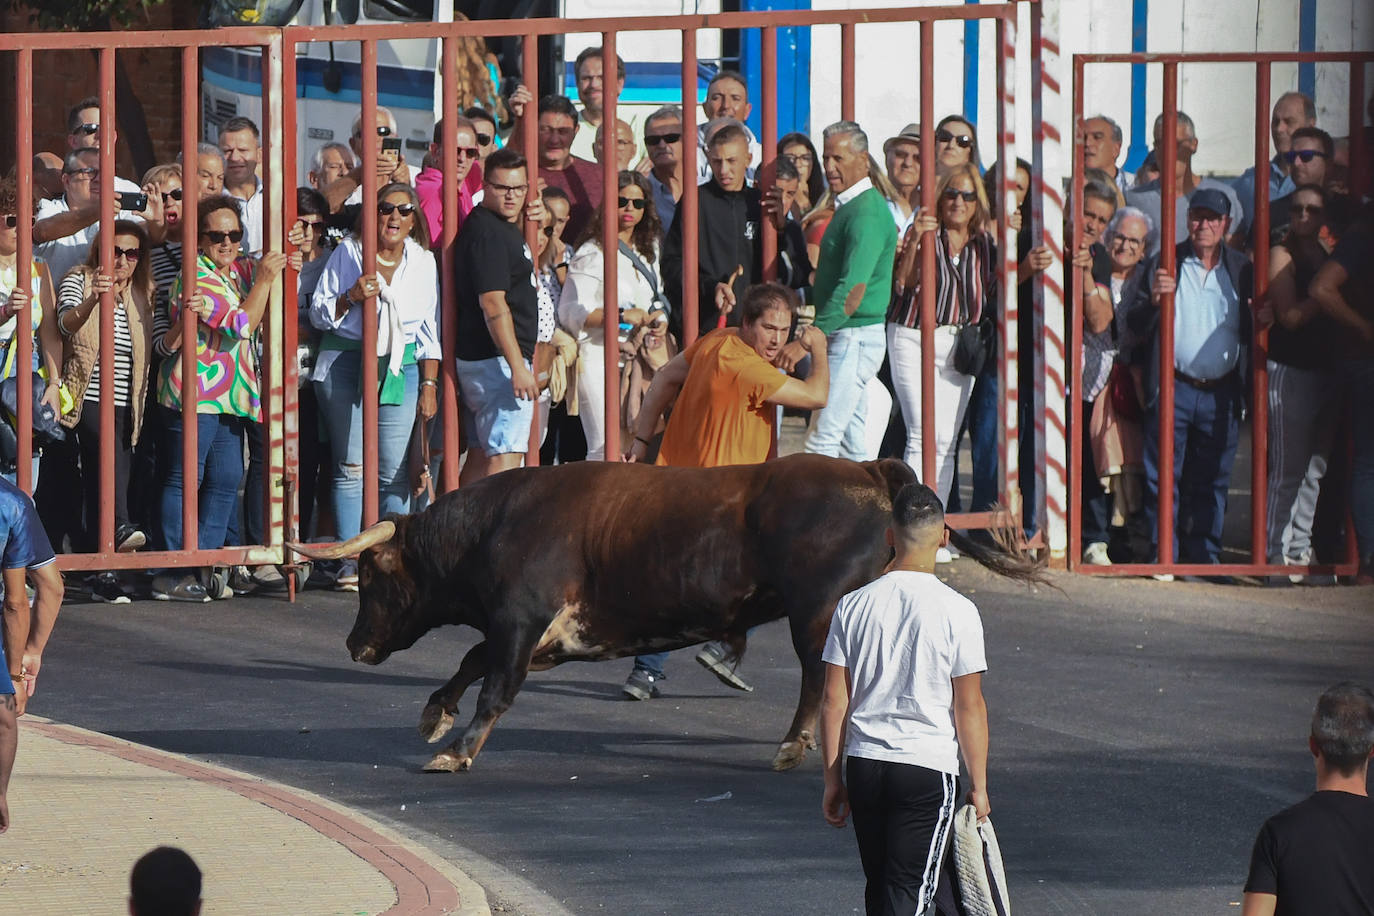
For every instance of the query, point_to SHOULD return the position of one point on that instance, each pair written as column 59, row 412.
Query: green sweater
column 859, row 246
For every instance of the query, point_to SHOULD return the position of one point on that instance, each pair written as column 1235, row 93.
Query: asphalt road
column 1141, row 732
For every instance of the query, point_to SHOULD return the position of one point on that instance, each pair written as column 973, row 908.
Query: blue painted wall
column 794, row 69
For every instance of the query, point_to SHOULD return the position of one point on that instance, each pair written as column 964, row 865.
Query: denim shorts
column 7, row 687
column 493, row 417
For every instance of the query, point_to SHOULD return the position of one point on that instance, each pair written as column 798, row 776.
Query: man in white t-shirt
column 903, row 697
column 66, row 226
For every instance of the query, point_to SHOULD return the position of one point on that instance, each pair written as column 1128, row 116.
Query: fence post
column 448, row 306
column 610, row 253
column 529, row 50
column 1259, row 428
column 691, row 307
column 1009, row 451
column 367, row 138
column 1168, row 202
column 928, row 241
column 276, row 355
column 108, row 118
column 23, row 266
column 190, row 260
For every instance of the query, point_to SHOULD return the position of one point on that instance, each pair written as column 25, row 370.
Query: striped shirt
column 69, row 296
column 165, row 261
column 965, row 287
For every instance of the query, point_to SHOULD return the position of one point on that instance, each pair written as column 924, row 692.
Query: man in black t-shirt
column 498, row 318
column 1318, row 856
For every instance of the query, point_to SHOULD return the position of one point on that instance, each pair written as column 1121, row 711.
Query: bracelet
column 433, row 382
column 21, row 677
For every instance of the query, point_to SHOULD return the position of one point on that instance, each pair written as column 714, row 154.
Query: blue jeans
column 1206, row 429
column 340, row 400
column 855, row 355
column 1358, row 376
column 982, row 436
column 219, row 468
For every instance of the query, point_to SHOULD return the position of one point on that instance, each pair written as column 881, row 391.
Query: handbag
column 975, row 346
column 660, row 303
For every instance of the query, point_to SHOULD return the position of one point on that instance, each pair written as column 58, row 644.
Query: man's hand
column 772, row 208
column 978, row 798
column 725, row 292
column 1164, row 284
column 812, row 338
column 1039, row 258
column 1083, row 257
column 522, row 383
column 790, row 355
column 534, row 208
column 835, row 803
column 518, row 100
column 29, row 665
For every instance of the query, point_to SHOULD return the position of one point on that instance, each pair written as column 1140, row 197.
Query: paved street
column 1141, row 732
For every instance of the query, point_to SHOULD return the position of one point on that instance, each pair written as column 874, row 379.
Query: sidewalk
column 85, row 806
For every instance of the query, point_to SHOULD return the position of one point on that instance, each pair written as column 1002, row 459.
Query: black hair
column 505, row 158
column 74, row 113
column 165, row 882
column 761, row 297
column 240, row 123
column 786, row 170
column 310, row 201
column 917, row 508
column 815, row 182
column 478, row 113
column 1316, row 133
column 214, row 204
column 727, row 74
column 1343, row 727
column 596, row 52
column 558, row 104
column 727, row 133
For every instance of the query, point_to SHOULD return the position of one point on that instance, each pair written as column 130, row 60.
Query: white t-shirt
column 903, row 637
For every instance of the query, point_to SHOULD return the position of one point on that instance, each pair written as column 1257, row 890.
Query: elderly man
column 330, row 163
column 727, row 96
column 903, row 154
column 66, row 226
column 240, row 144
column 1102, row 140
column 1293, row 110
column 389, row 164
column 587, row 70
column 47, row 176
column 209, row 170
column 83, row 132
column 852, row 288
column 1147, row 197
column 663, row 141
column 624, row 145
column 1211, row 285
column 1318, row 855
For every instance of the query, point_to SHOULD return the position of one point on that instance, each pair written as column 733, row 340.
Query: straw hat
column 978, row 863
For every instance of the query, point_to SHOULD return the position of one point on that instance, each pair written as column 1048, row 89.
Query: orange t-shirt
column 722, row 415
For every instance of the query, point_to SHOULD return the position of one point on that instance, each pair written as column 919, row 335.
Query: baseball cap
column 911, row 132
column 1210, row 199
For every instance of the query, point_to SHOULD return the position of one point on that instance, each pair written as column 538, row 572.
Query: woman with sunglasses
column 47, row 351
column 228, row 297
column 1304, row 394
column 78, row 311
column 956, row 144
column 580, row 307
column 312, row 217
column 965, row 290
column 406, row 292
column 798, row 148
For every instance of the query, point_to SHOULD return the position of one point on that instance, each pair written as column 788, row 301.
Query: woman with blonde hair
column 965, row 292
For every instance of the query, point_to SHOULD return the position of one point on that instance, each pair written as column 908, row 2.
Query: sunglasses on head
column 636, row 202
column 656, row 139
column 128, row 254
column 386, row 208
column 87, row 129
column 955, row 194
column 964, row 141
column 219, row 237
column 1306, row 155
column 483, row 139
column 174, row 194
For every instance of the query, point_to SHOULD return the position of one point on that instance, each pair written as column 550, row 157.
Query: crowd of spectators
column 532, row 333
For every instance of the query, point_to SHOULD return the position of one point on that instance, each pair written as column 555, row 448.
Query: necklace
column 385, row 263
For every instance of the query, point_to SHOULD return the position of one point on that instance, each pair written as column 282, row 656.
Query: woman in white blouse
column 406, row 287
column 580, row 307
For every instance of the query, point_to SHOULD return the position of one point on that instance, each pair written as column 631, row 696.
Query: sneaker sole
column 638, row 693
column 134, row 542
column 723, row 672
column 122, row 599
column 162, row 596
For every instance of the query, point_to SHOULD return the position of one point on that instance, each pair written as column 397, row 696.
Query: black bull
column 599, row 560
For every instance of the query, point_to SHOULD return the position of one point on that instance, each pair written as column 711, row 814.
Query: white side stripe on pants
column 944, row 826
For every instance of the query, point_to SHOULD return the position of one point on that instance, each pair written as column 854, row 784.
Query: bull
column 600, row 560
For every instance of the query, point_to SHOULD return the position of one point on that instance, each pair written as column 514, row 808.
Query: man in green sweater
column 852, row 289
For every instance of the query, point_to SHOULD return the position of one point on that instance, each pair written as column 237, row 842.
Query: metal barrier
column 1259, row 393
column 280, row 161
column 107, row 44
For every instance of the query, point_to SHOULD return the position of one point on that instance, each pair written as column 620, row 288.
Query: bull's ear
column 387, row 557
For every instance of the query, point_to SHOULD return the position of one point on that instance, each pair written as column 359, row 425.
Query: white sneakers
column 1095, row 554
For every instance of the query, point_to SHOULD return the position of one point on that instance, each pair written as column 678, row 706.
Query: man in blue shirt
column 1292, row 111
column 24, row 552
column 1211, row 286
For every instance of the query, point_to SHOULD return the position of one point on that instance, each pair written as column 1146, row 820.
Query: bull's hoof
column 449, row 761
column 789, row 755
column 434, row 723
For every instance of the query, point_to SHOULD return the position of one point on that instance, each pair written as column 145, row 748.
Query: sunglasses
column 955, row 194
column 128, row 254
column 88, row 171
column 384, row 131
column 1125, row 241
column 386, row 208
column 1306, row 155
column 11, row 221
column 1297, row 209
column 171, row 195
column 312, row 224
column 964, row 141
column 636, row 202
column 469, row 152
column 219, row 237
column 656, row 139
column 484, row 139
column 87, row 129
column 548, row 232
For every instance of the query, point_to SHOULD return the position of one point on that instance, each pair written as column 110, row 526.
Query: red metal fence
column 1259, row 392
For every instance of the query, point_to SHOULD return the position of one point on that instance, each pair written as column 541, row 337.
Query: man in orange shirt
column 727, row 390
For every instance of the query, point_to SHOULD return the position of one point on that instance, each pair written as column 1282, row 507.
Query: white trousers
column 950, row 393
column 591, row 395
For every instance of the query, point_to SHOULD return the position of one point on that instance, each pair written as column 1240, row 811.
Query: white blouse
column 582, row 293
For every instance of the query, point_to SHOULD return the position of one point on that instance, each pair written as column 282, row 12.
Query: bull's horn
column 371, row 537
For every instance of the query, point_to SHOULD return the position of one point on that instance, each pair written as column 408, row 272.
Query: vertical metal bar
column 368, row 141
column 1359, row 155
column 1167, row 150
column 1074, row 332
column 929, row 472
column 448, row 301
column 768, row 50
column 23, row 265
column 274, row 355
column 1259, row 427
column 290, row 313
column 847, row 72
column 690, row 211
column 108, row 119
column 530, row 60
column 190, row 232
column 610, row 226
column 1009, row 430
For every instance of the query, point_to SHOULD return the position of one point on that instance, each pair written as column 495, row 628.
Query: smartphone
column 391, row 144
column 135, row 201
